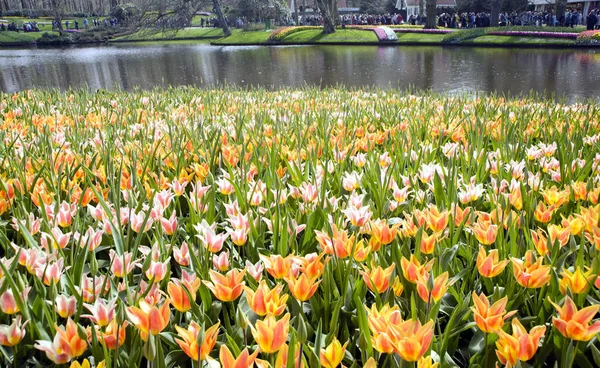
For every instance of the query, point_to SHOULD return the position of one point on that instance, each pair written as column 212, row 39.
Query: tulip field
column 298, row 228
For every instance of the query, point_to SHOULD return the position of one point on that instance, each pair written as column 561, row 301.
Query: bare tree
column 329, row 12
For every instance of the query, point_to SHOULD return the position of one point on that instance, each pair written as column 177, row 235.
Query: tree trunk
column 329, row 12
column 296, row 12
column 561, row 6
column 222, row 20
column 431, row 10
column 421, row 10
column 495, row 13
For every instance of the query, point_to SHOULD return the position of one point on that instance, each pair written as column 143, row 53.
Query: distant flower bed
column 534, row 34
column 281, row 33
column 385, row 34
column 422, row 30
column 589, row 37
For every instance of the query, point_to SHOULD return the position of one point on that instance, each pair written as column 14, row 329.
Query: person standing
column 85, row 24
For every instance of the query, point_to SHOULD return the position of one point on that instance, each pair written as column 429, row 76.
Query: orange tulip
column 377, row 279
column 530, row 273
column 542, row 213
column 266, row 301
column 333, row 354
column 593, row 236
column 412, row 339
column 489, row 318
column 361, row 252
column 436, row 221
column 578, row 281
column 179, row 296
column 382, row 233
column 461, row 215
column 189, row 340
column 428, row 242
column 489, row 265
column 485, row 232
column 540, row 242
column 228, row 287
column 271, row 334
column 66, row 344
column 277, row 266
column 520, row 345
column 313, row 267
column 303, row 287
column 150, row 319
column 112, row 336
column 398, row 287
column 411, row 269
column 440, row 286
column 244, row 360
column 559, row 233
column 574, row 324
column 282, row 357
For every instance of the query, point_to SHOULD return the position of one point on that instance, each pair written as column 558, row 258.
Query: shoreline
column 314, row 38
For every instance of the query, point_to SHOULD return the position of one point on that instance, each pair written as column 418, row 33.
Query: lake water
column 571, row 73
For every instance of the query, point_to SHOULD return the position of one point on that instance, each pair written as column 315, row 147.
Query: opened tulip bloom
column 575, row 324
column 244, row 360
column 66, row 344
column 150, row 319
column 377, row 278
column 188, row 341
column 271, row 334
column 265, row 301
column 520, row 346
column 490, row 318
column 531, row 273
column 333, row 354
column 227, row 287
column 11, row 335
column 489, row 265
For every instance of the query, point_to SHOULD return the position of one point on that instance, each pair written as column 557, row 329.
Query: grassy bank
column 182, row 34
column 8, row 38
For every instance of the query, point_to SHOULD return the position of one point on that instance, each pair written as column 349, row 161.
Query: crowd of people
column 25, row 27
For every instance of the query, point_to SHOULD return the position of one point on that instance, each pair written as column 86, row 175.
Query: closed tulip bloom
column 271, row 334
column 228, row 287
column 179, row 296
column 221, row 261
column 377, row 279
column 575, row 324
column 265, row 301
column 150, row 319
column 530, row 273
column 11, row 335
column 490, row 318
column 303, row 287
column 428, row 242
column 559, row 234
column 578, row 282
column 413, row 339
column 189, row 340
column 489, row 265
column 398, row 287
column 333, row 354
column 244, row 360
column 540, row 242
column 313, row 267
column 282, row 357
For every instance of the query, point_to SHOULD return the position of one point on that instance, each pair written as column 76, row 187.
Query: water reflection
column 574, row 73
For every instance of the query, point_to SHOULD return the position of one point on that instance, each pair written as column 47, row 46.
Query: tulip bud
column 302, row 332
column 149, row 349
column 241, row 319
